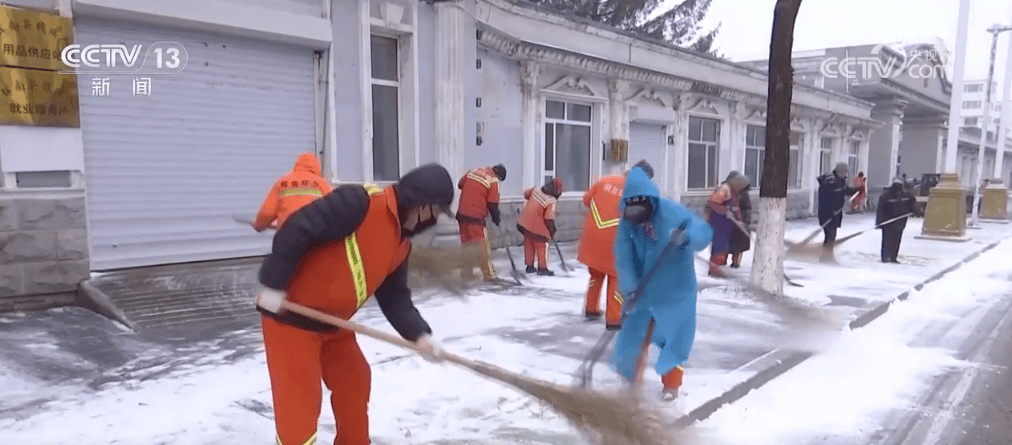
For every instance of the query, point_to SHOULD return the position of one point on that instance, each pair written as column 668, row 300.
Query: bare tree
column 677, row 24
column 768, row 263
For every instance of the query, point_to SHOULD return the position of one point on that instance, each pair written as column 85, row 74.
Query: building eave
column 602, row 43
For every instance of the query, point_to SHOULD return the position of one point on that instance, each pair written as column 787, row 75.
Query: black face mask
column 638, row 212
column 420, row 227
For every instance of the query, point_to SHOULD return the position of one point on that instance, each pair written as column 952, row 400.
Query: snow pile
column 862, row 374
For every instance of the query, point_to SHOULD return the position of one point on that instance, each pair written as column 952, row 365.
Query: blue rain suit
column 670, row 296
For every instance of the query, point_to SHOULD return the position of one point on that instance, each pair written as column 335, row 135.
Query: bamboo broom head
column 618, row 418
column 441, row 266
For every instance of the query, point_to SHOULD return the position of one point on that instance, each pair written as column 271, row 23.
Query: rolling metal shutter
column 646, row 141
column 165, row 172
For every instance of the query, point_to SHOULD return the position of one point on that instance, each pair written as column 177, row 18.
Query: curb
column 779, row 361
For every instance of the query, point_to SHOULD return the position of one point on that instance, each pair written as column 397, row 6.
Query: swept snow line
column 795, row 358
column 941, row 420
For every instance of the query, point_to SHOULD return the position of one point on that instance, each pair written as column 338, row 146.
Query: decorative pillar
column 619, row 117
column 450, row 98
column 529, row 72
column 945, row 218
column 884, row 143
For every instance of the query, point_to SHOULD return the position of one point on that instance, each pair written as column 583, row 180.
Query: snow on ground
column 418, row 403
column 865, row 373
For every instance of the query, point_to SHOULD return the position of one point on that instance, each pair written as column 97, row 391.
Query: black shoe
column 546, row 272
column 894, row 261
column 613, row 327
column 592, row 315
column 735, row 266
column 886, row 260
column 530, row 269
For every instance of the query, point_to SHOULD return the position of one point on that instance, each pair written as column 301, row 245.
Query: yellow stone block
column 994, row 203
column 945, row 217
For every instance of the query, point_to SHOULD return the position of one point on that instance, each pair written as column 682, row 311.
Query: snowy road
column 934, row 370
column 72, row 378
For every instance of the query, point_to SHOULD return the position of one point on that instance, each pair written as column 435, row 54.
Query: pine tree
column 768, row 262
column 678, row 24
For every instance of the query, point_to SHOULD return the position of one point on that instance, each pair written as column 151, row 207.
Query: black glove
column 496, row 219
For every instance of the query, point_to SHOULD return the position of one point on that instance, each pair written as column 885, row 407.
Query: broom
column 609, row 419
column 877, row 226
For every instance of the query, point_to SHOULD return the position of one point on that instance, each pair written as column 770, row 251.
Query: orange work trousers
column 476, row 233
column 532, row 248
column 613, row 302
column 297, row 360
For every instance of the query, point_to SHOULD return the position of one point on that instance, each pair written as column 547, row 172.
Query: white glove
column 730, row 215
column 270, row 299
column 430, row 349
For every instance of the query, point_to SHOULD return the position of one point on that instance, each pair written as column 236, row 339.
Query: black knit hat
column 500, row 171
column 646, row 167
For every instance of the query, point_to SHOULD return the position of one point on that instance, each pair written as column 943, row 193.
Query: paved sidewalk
column 538, row 329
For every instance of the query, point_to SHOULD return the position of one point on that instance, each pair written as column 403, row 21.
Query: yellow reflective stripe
column 481, row 180
column 310, row 441
column 372, row 188
column 540, row 197
column 618, row 297
column 357, row 269
column 301, row 192
column 601, row 224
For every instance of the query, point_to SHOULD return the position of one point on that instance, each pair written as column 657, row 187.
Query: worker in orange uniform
column 332, row 256
column 479, row 198
column 597, row 246
column 291, row 192
column 537, row 224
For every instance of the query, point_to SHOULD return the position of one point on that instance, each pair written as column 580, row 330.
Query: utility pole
column 986, row 122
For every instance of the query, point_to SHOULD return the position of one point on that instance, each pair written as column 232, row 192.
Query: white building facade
column 376, row 88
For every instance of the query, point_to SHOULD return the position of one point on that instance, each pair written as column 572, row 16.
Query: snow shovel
column 565, row 267
column 514, row 272
column 586, row 369
column 877, row 226
column 616, row 418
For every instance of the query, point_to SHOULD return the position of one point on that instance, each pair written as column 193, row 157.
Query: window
column 972, row 104
column 704, row 135
column 755, row 152
column 825, row 155
column 852, row 156
column 567, row 144
column 794, row 160
column 385, row 106
column 970, row 122
column 973, row 88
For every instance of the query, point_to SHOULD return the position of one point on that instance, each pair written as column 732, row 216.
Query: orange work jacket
column 600, row 225
column 539, row 208
column 292, row 191
column 338, row 277
column 478, row 188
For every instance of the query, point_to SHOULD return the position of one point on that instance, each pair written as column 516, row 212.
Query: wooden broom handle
column 370, row 332
column 641, row 360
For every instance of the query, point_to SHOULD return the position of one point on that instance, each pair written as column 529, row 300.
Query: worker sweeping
column 479, row 199
column 537, row 224
column 597, row 246
column 833, row 193
column 332, row 256
column 723, row 213
column 291, row 192
column 669, row 298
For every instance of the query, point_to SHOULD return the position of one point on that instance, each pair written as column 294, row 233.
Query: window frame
column 554, row 122
column 709, row 183
column 826, row 154
column 854, row 156
column 398, row 85
column 796, row 150
column 756, row 146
